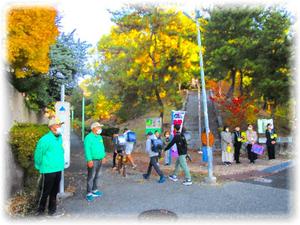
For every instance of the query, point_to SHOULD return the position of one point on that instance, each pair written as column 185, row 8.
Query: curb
column 279, row 167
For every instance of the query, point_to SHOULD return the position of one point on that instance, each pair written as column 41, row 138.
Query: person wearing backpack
column 115, row 143
column 153, row 146
column 130, row 140
column 166, row 141
column 181, row 144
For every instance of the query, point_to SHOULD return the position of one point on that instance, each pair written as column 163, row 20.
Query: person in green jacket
column 49, row 161
column 94, row 153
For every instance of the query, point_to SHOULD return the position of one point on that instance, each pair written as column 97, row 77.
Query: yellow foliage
column 30, row 33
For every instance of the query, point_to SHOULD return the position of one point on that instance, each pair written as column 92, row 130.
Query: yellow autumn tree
column 146, row 57
column 30, row 33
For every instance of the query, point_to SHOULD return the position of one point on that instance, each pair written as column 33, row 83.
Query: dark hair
column 249, row 125
column 225, row 127
column 268, row 124
column 125, row 129
column 156, row 131
column 177, row 127
column 166, row 132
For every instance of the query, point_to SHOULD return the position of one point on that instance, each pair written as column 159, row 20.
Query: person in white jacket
column 226, row 146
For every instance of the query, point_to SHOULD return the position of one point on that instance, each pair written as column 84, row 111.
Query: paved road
column 128, row 197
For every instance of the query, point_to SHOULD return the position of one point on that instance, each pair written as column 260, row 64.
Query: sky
column 91, row 19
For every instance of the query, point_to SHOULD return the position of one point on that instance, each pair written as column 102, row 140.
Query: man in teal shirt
column 94, row 153
column 49, row 161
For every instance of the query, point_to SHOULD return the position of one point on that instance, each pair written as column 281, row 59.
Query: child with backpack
column 181, row 144
column 166, row 141
column 130, row 140
column 153, row 146
column 119, row 149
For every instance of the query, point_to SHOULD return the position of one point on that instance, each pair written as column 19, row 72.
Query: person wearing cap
column 94, row 154
column 49, row 161
column 153, row 158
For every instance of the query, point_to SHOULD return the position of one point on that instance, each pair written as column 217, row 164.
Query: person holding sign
column 94, row 154
column 251, row 140
column 271, row 141
column 226, row 146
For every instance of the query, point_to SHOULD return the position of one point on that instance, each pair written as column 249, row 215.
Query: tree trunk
column 161, row 106
column 232, row 87
column 241, row 83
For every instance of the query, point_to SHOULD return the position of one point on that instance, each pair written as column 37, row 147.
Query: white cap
column 54, row 121
column 96, row 124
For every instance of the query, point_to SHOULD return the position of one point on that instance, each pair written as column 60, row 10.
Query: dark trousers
column 251, row 155
column 92, row 177
column 237, row 148
column 271, row 151
column 49, row 187
column 114, row 158
column 154, row 163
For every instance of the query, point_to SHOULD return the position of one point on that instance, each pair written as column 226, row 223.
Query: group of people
column 49, row 155
column 49, row 159
column 231, row 143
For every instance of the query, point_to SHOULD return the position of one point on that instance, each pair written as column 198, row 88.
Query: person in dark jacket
column 237, row 143
column 271, row 141
column 181, row 144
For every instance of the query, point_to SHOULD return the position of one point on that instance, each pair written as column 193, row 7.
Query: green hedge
column 23, row 139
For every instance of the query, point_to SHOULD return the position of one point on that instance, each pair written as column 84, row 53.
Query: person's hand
column 273, row 142
column 104, row 160
column 90, row 164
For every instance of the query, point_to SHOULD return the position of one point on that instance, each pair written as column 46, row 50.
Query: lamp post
column 210, row 178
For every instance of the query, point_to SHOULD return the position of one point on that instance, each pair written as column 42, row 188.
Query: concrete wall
column 16, row 111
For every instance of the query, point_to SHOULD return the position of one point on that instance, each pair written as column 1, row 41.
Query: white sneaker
column 187, row 182
column 173, row 178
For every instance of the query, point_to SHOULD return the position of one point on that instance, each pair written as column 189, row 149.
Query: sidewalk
column 129, row 197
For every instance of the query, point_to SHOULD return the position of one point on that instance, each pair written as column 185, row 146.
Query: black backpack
column 183, row 142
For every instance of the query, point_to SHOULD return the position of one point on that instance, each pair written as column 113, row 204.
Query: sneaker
column 97, row 193
column 39, row 213
column 89, row 197
column 55, row 214
column 173, row 178
column 162, row 180
column 187, row 182
column 145, row 176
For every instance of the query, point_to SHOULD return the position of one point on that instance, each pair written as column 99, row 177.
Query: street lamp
column 210, row 178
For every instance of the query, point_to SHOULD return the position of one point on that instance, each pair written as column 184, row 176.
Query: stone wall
column 16, row 111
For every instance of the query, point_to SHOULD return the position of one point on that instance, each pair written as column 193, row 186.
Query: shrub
column 23, row 139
